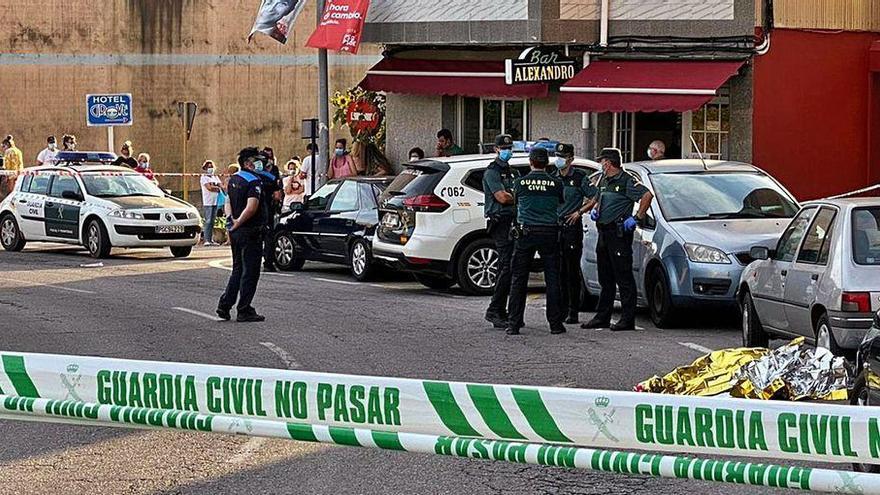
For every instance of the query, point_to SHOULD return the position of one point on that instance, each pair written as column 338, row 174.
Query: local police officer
column 270, row 179
column 245, row 219
column 571, row 239
column 500, row 212
column 612, row 211
column 538, row 196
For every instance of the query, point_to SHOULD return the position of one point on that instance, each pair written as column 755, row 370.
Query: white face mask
column 414, row 158
column 52, row 146
column 650, row 154
column 210, row 170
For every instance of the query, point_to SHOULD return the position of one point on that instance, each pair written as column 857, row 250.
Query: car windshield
column 114, row 186
column 866, row 235
column 705, row 196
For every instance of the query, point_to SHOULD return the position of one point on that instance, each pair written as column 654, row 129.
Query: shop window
column 624, row 132
column 710, row 128
column 503, row 117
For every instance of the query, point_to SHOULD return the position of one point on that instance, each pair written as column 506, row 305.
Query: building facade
column 444, row 65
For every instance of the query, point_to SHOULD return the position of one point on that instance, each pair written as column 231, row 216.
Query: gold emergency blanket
column 791, row 372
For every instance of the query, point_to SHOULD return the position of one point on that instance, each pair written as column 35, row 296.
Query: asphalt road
column 143, row 304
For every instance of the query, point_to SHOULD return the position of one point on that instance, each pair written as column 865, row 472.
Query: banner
column 276, row 18
column 724, row 471
column 341, row 26
column 570, row 417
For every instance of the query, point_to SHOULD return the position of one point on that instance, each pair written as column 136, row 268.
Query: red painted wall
column 813, row 109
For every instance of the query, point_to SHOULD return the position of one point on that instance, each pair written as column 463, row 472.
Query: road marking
column 198, row 313
column 51, row 286
column 400, row 286
column 219, row 264
column 334, row 281
column 282, row 354
column 697, row 347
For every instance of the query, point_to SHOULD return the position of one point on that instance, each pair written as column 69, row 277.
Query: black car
column 335, row 225
column 866, row 390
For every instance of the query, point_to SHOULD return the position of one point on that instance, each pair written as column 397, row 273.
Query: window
column 346, row 198
column 25, row 183
column 866, row 235
column 503, row 117
column 816, row 243
column 624, row 132
column 710, row 128
column 790, row 240
column 120, row 185
column 64, row 183
column 474, row 180
column 319, row 200
column 40, row 184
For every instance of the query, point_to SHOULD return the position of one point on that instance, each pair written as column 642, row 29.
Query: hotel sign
column 537, row 65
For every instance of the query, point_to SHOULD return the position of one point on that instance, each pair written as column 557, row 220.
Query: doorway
column 657, row 126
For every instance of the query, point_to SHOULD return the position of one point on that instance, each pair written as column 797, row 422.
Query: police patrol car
column 83, row 200
column 432, row 222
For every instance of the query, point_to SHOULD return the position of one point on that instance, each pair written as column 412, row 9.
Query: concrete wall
column 740, row 137
column 546, row 121
column 412, row 121
column 53, row 53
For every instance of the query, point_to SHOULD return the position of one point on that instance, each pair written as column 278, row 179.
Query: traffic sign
column 105, row 110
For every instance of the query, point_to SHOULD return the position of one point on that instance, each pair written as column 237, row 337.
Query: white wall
column 546, row 121
column 412, row 121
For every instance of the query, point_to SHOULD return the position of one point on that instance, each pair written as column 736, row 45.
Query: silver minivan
column 696, row 240
column 821, row 280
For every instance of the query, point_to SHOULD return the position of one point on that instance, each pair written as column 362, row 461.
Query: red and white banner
column 341, row 26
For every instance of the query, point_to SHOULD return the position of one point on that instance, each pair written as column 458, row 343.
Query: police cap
column 610, row 154
column 539, row 155
column 564, row 150
column 503, row 141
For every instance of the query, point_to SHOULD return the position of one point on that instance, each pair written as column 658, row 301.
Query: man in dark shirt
column 538, row 196
column 125, row 159
column 613, row 200
column 270, row 177
column 245, row 219
column 500, row 212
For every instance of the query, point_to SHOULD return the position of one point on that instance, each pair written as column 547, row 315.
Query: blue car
column 697, row 237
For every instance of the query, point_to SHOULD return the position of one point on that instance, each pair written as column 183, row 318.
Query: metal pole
column 323, row 99
column 110, row 145
column 183, row 178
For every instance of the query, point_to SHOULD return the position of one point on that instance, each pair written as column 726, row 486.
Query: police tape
column 657, row 465
column 572, row 417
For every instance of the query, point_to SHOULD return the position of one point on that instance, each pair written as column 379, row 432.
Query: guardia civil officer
column 500, row 212
column 571, row 240
column 538, row 196
column 612, row 208
column 245, row 219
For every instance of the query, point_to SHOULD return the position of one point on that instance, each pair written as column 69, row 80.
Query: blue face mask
column 340, row 151
column 258, row 166
column 505, row 155
column 560, row 162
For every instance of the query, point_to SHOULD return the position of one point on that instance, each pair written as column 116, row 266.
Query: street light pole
column 323, row 100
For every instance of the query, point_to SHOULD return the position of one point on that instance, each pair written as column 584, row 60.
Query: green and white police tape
column 666, row 466
column 573, row 417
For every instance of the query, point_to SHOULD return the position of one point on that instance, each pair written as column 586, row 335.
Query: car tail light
column 418, row 261
column 426, row 202
column 856, row 302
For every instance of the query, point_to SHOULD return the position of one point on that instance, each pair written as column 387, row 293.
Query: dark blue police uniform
column 246, row 242
column 269, row 182
column 538, row 196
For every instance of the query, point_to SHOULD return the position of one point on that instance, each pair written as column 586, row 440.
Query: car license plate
column 391, row 221
column 169, row 229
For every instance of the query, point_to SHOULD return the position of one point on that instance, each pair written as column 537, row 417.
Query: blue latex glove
column 594, row 215
column 630, row 224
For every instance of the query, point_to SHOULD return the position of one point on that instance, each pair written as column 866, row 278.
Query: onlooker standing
column 47, row 156
column 294, row 191
column 342, row 164
column 210, row 192
column 12, row 161
column 144, row 167
column 125, row 159
column 446, row 145
column 311, row 171
column 272, row 195
column 416, row 154
column 358, row 155
column 68, row 142
column 657, row 150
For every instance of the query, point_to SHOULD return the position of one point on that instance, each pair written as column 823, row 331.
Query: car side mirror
column 72, row 195
column 759, row 253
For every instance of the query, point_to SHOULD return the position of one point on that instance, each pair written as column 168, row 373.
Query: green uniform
column 498, row 177
column 538, row 196
column 617, row 196
column 577, row 188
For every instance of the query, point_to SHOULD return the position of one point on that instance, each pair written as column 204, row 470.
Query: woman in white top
column 210, row 190
column 294, row 189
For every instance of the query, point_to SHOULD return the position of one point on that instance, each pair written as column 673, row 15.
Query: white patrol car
column 84, row 200
column 432, row 222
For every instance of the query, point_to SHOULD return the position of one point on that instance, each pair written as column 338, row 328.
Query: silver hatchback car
column 821, row 280
column 696, row 239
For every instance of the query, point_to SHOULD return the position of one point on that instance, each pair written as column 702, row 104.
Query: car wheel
column 860, row 396
column 825, row 337
column 10, row 235
column 360, row 260
column 753, row 333
column 285, row 253
column 181, row 251
column 660, row 299
column 97, row 240
column 478, row 268
column 434, row 281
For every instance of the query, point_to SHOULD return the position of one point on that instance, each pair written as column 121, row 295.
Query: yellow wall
column 848, row 15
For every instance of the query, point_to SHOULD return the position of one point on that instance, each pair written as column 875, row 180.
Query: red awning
column 446, row 77
column 645, row 86
column 875, row 56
